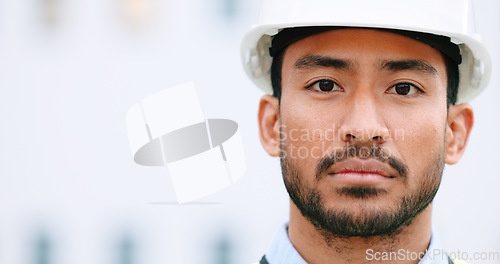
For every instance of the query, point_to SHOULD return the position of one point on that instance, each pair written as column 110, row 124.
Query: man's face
column 363, row 123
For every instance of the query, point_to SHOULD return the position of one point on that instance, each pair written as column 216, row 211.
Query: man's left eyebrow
column 409, row 65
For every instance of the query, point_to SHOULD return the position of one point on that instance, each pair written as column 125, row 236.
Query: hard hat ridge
column 288, row 36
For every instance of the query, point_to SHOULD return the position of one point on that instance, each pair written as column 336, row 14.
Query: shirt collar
column 283, row 252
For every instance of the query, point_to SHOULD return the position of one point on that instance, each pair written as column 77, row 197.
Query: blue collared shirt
column 283, row 252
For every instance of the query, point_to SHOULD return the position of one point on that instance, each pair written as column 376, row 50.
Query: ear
column 269, row 124
column 460, row 121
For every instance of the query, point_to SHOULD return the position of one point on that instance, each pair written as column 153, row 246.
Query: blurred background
column 69, row 190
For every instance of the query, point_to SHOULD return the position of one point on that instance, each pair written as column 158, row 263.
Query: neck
column 315, row 246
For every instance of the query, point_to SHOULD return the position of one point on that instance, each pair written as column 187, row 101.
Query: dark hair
column 451, row 72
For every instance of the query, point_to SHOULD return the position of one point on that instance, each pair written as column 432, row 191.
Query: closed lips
column 363, row 166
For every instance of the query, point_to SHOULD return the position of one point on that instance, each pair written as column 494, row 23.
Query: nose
column 364, row 121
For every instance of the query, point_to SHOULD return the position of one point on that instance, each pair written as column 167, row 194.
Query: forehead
column 363, row 46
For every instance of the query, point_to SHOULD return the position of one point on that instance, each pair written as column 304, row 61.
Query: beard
column 363, row 222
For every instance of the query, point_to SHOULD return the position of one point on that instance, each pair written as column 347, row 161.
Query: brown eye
column 325, row 85
column 404, row 89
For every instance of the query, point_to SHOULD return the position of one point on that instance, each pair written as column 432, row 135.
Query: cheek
column 302, row 139
column 419, row 144
column 307, row 137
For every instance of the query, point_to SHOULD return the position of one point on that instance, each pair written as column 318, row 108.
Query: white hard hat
column 450, row 18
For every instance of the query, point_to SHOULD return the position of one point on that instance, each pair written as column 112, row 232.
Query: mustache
column 361, row 152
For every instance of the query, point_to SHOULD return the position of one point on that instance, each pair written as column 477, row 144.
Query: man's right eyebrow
column 311, row 61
